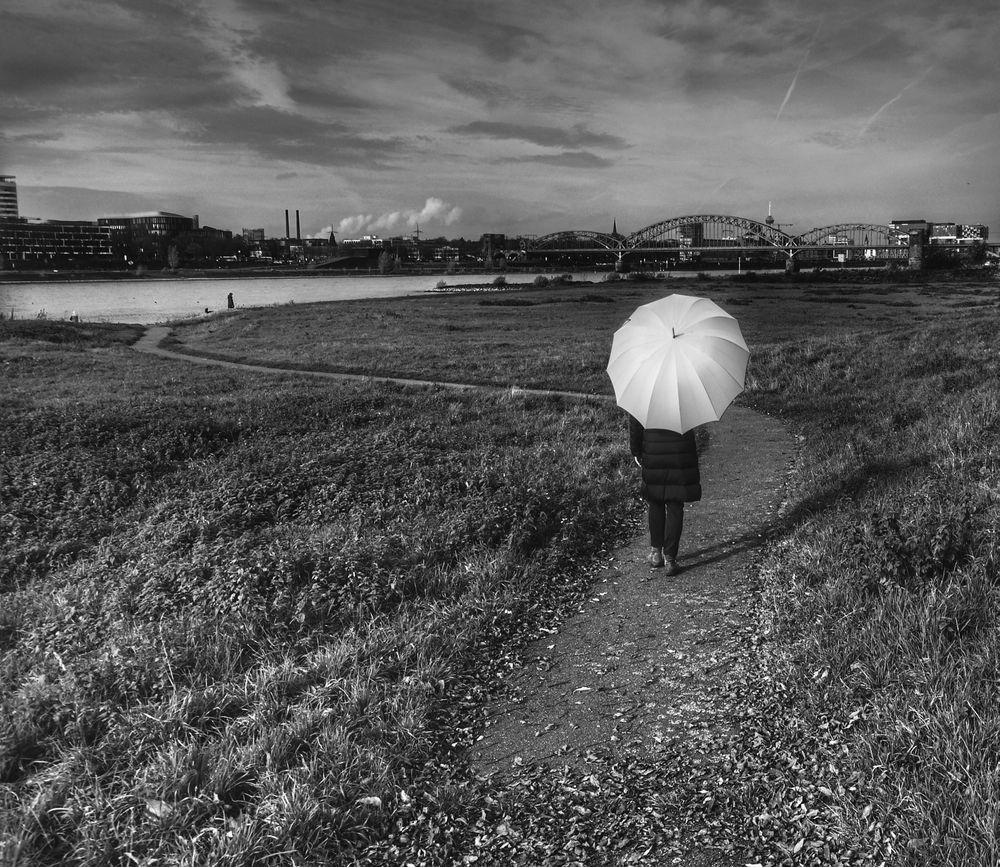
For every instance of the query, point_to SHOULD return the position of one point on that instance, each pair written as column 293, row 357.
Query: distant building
column 446, row 253
column 254, row 236
column 55, row 242
column 692, row 234
column 968, row 234
column 912, row 230
column 150, row 222
column 492, row 245
column 941, row 233
column 365, row 241
column 318, row 248
column 8, row 198
column 212, row 232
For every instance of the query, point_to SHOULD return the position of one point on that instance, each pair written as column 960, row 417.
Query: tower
column 8, row 197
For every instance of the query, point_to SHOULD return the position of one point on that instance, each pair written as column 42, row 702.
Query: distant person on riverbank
column 229, row 301
column 670, row 478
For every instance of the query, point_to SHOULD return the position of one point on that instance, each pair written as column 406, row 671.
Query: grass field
column 249, row 619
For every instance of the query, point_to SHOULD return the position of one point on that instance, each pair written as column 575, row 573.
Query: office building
column 25, row 243
column 971, row 232
column 150, row 223
column 8, row 198
column 941, row 233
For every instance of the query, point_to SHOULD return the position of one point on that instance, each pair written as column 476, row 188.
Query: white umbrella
column 678, row 362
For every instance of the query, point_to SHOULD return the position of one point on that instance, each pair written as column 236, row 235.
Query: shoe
column 672, row 567
column 655, row 557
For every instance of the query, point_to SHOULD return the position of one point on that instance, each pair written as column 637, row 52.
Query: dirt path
column 150, row 341
column 648, row 655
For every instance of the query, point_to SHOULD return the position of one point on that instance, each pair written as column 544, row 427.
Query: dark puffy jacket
column 669, row 463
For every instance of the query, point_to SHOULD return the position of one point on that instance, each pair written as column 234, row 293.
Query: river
column 150, row 300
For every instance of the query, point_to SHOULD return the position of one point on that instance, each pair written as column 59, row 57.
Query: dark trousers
column 666, row 521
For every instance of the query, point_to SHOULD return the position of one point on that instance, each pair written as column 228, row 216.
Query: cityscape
column 165, row 240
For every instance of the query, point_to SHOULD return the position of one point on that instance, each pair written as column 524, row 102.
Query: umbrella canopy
column 678, row 362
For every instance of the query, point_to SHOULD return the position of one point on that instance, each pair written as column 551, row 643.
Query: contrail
column 795, row 78
column 791, row 87
column 874, row 117
column 703, row 203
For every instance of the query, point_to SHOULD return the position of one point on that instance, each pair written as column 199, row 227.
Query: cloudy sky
column 520, row 116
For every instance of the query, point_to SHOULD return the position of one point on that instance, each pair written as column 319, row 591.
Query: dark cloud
column 35, row 138
column 837, row 139
column 567, row 159
column 487, row 92
column 317, row 96
column 504, row 42
column 281, row 135
column 491, row 29
column 492, row 94
column 108, row 63
column 546, row 136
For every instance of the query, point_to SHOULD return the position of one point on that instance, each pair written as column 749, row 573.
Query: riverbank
column 269, row 273
column 255, row 613
column 157, row 300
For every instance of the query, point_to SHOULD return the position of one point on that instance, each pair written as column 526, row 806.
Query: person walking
column 670, row 478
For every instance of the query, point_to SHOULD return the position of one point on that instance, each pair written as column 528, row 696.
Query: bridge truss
column 577, row 240
column 719, row 235
column 708, row 230
column 853, row 234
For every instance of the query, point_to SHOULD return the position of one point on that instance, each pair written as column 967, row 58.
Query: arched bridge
column 701, row 235
column 710, row 230
column 577, row 240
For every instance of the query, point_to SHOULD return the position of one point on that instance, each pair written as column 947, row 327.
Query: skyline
column 501, row 117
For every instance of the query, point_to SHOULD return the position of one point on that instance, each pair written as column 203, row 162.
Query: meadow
column 252, row 619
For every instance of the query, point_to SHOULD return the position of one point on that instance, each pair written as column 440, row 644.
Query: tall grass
column 885, row 594
column 252, row 620
column 241, row 618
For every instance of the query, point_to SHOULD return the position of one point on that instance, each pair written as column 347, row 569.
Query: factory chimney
column 298, row 231
column 288, row 233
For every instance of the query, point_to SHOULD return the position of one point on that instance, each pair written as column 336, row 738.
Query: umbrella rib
column 709, row 357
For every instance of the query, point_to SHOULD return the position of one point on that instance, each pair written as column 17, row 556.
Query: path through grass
column 253, row 618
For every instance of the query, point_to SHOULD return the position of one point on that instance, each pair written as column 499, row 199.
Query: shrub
column 541, row 281
column 500, row 281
